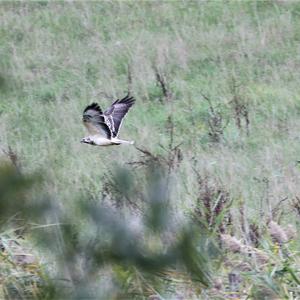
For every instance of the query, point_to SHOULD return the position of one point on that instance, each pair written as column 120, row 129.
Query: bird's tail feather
column 118, row 141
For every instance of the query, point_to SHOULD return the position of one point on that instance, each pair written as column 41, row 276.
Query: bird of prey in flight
column 104, row 127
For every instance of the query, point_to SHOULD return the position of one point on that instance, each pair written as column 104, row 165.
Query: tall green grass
column 57, row 57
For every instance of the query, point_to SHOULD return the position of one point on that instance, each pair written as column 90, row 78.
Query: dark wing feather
column 94, row 120
column 116, row 112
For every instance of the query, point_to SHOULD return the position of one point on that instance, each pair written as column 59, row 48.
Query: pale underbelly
column 104, row 142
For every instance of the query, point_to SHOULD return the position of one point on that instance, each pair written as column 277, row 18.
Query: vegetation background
column 217, row 112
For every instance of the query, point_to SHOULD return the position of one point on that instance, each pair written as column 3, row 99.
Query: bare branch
column 129, row 79
column 163, row 84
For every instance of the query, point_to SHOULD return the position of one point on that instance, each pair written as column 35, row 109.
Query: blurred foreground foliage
column 129, row 243
column 83, row 245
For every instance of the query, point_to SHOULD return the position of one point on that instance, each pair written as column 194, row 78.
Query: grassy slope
column 58, row 57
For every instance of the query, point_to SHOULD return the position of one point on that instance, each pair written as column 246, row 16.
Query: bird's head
column 87, row 140
column 86, row 118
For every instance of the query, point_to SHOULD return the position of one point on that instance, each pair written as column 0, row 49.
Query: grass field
column 218, row 108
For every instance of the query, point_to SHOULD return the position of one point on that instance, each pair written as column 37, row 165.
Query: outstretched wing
column 115, row 113
column 94, row 121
